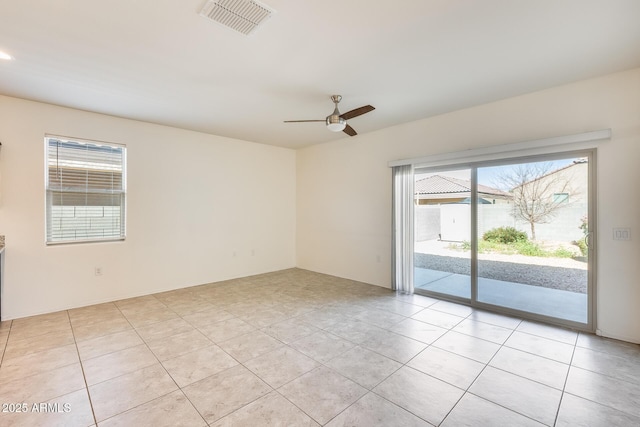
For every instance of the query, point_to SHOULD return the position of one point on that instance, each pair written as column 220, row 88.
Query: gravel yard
column 556, row 273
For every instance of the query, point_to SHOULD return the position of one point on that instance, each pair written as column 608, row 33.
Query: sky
column 487, row 175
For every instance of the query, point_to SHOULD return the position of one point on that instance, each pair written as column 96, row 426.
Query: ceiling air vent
column 241, row 15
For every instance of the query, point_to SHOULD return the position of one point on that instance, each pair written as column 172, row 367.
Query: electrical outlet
column 98, row 271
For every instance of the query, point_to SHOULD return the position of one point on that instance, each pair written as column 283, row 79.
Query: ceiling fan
column 337, row 122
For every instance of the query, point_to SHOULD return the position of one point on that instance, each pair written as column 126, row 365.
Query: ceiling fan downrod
column 335, row 123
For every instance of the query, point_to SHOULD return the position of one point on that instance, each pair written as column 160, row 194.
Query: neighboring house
column 567, row 185
column 441, row 212
column 560, row 205
column 555, row 204
column 438, row 189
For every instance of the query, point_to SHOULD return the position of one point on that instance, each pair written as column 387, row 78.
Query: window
column 560, row 197
column 85, row 186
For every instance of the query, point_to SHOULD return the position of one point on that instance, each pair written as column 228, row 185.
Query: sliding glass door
column 442, row 228
column 511, row 235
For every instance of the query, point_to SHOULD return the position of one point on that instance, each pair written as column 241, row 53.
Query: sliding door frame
column 590, row 154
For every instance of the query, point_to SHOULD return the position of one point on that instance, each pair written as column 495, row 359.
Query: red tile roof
column 438, row 184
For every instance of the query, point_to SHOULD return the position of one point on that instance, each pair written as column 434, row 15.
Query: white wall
column 344, row 187
column 193, row 200
column 200, row 198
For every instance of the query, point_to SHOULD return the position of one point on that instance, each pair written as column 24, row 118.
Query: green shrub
column 521, row 247
column 505, row 235
column 582, row 245
column 530, row 249
column 487, row 247
column 562, row 253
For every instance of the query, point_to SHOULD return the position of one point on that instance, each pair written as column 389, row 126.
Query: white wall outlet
column 98, row 271
column 621, row 234
column 253, row 252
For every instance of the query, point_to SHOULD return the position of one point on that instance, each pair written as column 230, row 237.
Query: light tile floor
column 305, row 349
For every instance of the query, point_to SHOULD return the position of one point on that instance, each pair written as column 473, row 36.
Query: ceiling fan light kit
column 337, row 122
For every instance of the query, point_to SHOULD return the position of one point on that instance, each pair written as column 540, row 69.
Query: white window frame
column 119, row 231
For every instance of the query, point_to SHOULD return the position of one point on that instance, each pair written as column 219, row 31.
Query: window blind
column 85, row 186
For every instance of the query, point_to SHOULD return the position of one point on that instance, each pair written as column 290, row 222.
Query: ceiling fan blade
column 350, row 131
column 302, row 121
column 357, row 112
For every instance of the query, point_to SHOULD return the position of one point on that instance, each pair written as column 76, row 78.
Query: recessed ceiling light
column 5, row 56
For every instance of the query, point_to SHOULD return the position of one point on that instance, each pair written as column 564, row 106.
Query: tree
column 538, row 191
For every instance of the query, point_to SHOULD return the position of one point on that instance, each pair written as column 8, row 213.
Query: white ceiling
column 159, row 61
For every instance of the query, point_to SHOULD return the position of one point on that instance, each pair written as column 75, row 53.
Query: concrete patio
column 534, row 299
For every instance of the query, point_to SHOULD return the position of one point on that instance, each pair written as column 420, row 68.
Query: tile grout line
column 406, row 364
column 299, row 408
column 466, row 391
column 84, row 377
column 277, row 390
column 157, row 359
column 202, row 379
column 566, row 379
column 597, row 373
column 321, row 364
column 356, row 344
column 4, row 348
column 368, row 390
column 409, row 367
column 562, row 391
column 118, row 376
